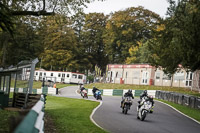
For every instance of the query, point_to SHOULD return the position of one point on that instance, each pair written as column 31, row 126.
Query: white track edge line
column 94, row 110
column 179, row 112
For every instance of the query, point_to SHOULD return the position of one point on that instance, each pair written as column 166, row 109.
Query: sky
column 108, row 6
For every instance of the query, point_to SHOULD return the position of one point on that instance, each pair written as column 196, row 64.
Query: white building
column 59, row 76
column 145, row 74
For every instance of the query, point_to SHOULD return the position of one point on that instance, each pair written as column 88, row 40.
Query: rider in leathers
column 127, row 94
column 94, row 91
column 82, row 88
column 144, row 94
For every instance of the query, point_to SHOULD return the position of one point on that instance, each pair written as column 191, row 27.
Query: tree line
column 78, row 41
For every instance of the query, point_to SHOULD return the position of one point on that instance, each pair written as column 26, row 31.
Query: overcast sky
column 108, row 6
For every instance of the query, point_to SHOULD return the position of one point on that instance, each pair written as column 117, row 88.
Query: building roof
column 129, row 66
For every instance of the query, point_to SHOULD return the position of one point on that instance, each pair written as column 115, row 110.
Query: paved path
column 163, row 120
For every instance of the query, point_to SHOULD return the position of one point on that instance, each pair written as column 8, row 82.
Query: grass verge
column 36, row 84
column 61, row 85
column 142, row 87
column 72, row 115
column 193, row 113
column 4, row 122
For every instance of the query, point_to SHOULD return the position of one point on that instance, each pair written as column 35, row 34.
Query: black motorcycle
column 126, row 105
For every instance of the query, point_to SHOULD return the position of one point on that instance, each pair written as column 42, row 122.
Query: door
column 145, row 76
column 189, row 77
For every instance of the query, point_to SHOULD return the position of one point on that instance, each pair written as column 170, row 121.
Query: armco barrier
column 157, row 94
column 171, row 97
column 186, row 100
column 44, row 90
column 197, row 103
column 33, row 122
column 175, row 98
column 192, row 102
column 138, row 92
column 108, row 92
column 117, row 92
column 178, row 98
column 34, row 91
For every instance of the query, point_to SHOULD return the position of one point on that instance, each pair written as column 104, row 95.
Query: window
column 36, row 73
column 136, row 74
column 118, row 74
column 166, row 77
column 189, row 76
column 80, row 76
column 58, row 74
column 74, row 76
column 40, row 73
column 157, row 75
column 63, row 75
column 51, row 74
column 179, row 76
column 44, row 74
column 68, row 75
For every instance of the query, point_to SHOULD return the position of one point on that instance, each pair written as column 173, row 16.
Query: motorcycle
column 145, row 108
column 126, row 104
column 84, row 94
column 98, row 95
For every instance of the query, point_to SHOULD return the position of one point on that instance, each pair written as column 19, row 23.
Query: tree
column 11, row 8
column 12, row 11
column 24, row 45
column 139, row 53
column 125, row 28
column 178, row 42
column 92, row 39
column 59, row 43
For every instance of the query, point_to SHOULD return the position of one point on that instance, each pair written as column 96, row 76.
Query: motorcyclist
column 82, row 88
column 94, row 91
column 144, row 94
column 150, row 98
column 127, row 94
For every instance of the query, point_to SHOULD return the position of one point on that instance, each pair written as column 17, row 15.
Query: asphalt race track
column 110, row 117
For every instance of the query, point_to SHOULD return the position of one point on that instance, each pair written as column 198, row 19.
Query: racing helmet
column 145, row 92
column 130, row 91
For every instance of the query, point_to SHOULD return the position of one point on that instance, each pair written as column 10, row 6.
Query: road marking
column 94, row 110
column 180, row 112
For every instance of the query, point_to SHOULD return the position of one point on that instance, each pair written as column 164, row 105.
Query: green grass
column 142, row 87
column 72, row 115
column 4, row 122
column 24, row 84
column 36, row 84
column 194, row 113
column 60, row 85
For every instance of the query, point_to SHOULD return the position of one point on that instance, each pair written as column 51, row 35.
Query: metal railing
column 34, row 120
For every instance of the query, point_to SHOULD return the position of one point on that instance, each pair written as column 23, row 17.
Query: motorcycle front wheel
column 100, row 97
column 143, row 115
column 126, row 109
